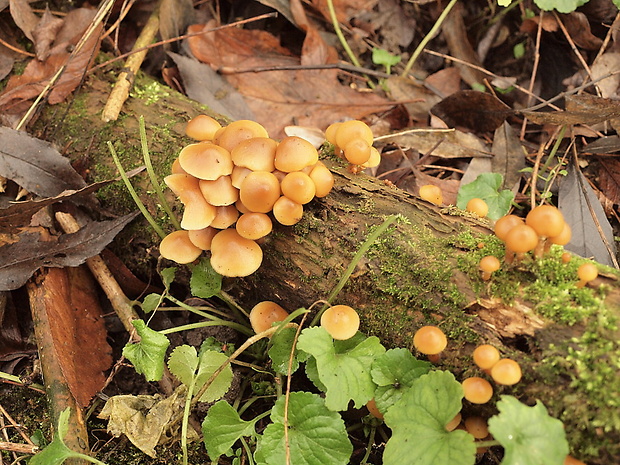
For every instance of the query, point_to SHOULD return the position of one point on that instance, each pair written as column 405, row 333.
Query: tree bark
column 422, row 270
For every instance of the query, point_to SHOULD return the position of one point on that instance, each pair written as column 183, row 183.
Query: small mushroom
column 198, row 213
column 259, row 191
column 477, row 206
column 254, row 225
column 177, row 247
column 520, row 240
column 586, row 272
column 353, row 129
column 206, row 161
column 287, row 212
column 357, row 151
column 257, row 154
column 238, row 131
column 488, row 265
column 547, row 221
column 202, row 238
column 233, row 255
column 264, row 314
column 225, row 216
column 202, row 127
column 323, row 179
column 298, row 187
column 219, row 192
column 431, row 193
column 294, row 154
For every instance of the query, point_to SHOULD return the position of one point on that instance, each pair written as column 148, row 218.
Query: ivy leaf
column 316, row 435
column 205, row 282
column 150, row 303
column 487, row 187
column 209, row 362
column 528, row 434
column 280, row 350
column 183, row 362
column 222, row 428
column 167, row 276
column 343, row 366
column 418, row 422
column 563, row 6
column 394, row 373
column 56, row 452
column 147, row 355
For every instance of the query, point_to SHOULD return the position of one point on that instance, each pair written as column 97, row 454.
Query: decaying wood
column 411, row 276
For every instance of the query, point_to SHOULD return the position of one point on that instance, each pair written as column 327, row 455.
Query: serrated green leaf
column 54, row 453
column 222, row 428
column 343, row 368
column 563, row 6
column 317, row 436
column 418, row 422
column 487, row 187
column 150, row 303
column 147, row 355
column 394, row 373
column 205, row 282
column 183, row 362
column 210, row 361
column 280, row 350
column 528, row 434
column 167, row 276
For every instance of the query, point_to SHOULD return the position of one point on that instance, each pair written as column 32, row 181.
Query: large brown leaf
column 77, row 330
column 307, row 97
column 38, row 74
column 19, row 260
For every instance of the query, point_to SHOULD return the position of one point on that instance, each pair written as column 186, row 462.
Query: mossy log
column 422, row 270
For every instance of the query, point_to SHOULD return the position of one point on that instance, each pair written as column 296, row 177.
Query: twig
column 16, row 425
column 342, row 66
column 176, row 39
column 120, row 302
column 427, row 38
column 101, row 14
column 126, row 78
column 17, row 50
column 534, row 72
column 19, row 448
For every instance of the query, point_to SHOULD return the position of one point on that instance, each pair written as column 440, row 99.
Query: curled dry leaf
column 476, row 111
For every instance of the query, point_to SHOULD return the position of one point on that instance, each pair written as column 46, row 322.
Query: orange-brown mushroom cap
column 206, row 161
column 259, row 191
column 294, row 154
column 198, row 213
column 233, row 255
column 176, row 246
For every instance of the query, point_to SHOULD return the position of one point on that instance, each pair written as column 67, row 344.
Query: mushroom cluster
column 543, row 226
column 353, row 142
column 232, row 182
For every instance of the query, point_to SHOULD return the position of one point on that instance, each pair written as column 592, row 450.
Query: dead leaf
column 35, row 164
column 443, row 144
column 609, row 179
column 24, row 17
column 45, row 34
column 18, row 214
column 578, row 28
column 509, row 156
column 174, row 17
column 345, row 9
column 580, row 109
column 444, row 82
column 390, row 20
column 476, row 111
column 284, row 97
column 19, row 260
column 592, row 234
column 141, row 418
column 37, row 74
column 78, row 332
column 606, row 65
column 204, row 85
column 418, row 99
column 603, row 145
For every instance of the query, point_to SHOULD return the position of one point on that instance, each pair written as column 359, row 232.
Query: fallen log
column 422, row 270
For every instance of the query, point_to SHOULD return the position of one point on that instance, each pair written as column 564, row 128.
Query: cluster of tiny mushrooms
column 234, row 177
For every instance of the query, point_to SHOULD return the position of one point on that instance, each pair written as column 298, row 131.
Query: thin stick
column 120, row 302
column 427, row 38
column 126, row 78
column 534, row 72
column 19, row 448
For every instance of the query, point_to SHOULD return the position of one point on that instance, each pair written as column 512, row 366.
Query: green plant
column 487, row 187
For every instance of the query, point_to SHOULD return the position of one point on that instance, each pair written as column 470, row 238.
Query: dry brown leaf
column 77, row 331
column 38, row 74
column 476, row 111
column 345, row 9
column 609, row 179
column 45, row 34
column 578, row 28
column 608, row 64
column 285, row 97
column 24, row 17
